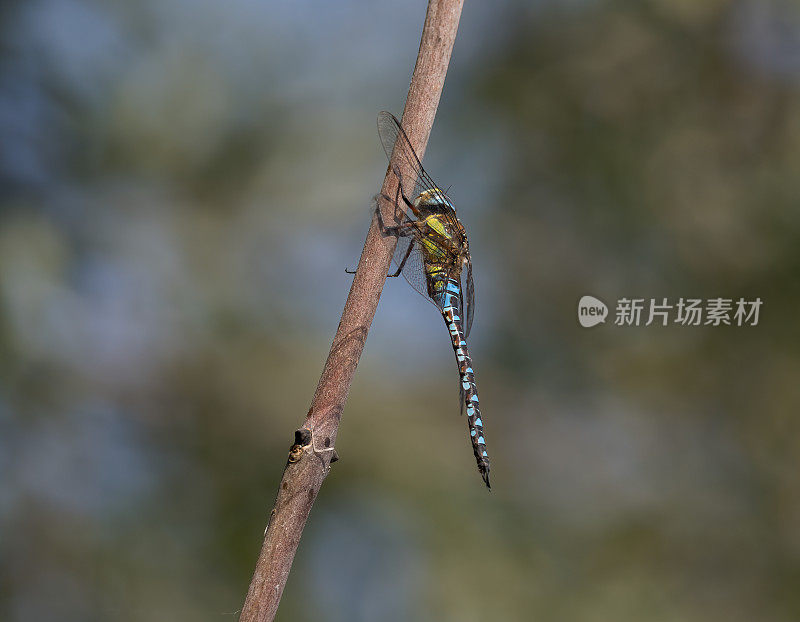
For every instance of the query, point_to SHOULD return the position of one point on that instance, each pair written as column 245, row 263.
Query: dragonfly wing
column 467, row 296
column 413, row 268
column 393, row 136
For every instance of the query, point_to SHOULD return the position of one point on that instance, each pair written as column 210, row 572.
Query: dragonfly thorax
column 442, row 236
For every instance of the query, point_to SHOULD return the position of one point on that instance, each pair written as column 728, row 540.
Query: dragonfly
column 432, row 254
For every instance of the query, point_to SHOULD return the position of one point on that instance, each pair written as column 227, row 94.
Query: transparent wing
column 467, row 296
column 393, row 136
column 407, row 254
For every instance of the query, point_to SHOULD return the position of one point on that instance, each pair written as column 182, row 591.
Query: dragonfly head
column 433, row 201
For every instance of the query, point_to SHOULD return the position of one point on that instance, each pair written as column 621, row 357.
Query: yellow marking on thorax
column 433, row 248
column 437, row 225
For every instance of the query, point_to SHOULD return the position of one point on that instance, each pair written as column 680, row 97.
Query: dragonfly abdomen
column 448, row 301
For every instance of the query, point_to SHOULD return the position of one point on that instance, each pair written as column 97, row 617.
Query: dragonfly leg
column 396, row 202
column 398, row 214
column 399, row 230
column 402, row 263
column 402, row 194
column 408, row 202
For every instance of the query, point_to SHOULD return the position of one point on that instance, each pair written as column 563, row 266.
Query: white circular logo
column 591, row 311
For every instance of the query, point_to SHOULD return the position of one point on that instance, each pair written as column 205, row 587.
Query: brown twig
column 312, row 453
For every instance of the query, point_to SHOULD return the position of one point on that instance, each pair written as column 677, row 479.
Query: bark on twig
column 312, row 453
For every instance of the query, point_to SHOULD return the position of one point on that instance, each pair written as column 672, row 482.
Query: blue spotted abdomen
column 447, row 298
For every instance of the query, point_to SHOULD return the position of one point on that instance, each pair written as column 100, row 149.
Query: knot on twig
column 302, row 439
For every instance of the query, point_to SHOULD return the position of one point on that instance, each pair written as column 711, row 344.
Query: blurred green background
column 183, row 184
